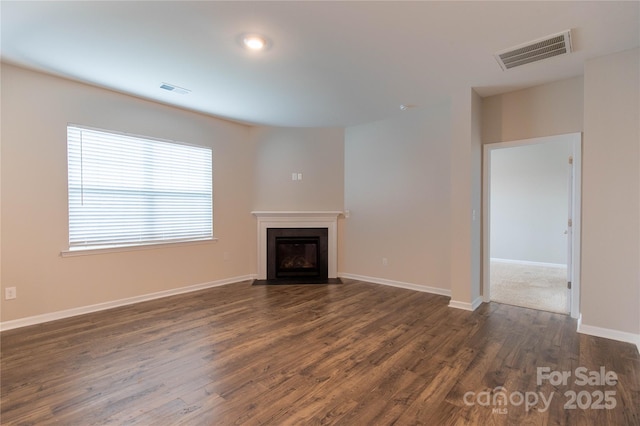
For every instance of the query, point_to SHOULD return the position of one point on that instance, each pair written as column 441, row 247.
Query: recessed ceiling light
column 254, row 42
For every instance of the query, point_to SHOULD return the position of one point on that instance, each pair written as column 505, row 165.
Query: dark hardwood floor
column 350, row 354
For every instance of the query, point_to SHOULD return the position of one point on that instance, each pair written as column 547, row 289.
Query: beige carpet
column 530, row 286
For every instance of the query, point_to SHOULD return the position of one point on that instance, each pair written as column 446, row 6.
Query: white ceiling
column 330, row 63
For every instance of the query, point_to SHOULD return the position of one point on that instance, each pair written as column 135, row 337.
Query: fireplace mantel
column 297, row 219
column 297, row 214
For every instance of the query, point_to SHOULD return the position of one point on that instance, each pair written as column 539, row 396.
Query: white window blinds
column 126, row 190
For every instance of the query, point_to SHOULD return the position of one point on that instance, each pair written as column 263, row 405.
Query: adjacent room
column 530, row 244
column 320, row 212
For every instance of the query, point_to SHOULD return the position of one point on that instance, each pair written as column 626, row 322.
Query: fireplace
column 327, row 220
column 297, row 253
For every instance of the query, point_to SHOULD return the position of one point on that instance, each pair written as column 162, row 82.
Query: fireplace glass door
column 297, row 253
column 296, row 257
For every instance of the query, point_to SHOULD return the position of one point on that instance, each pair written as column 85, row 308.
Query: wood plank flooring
column 350, row 354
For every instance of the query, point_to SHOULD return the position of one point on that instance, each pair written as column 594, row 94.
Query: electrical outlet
column 226, row 255
column 385, row 261
column 10, row 293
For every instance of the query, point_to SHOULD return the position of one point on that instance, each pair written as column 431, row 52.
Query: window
column 127, row 191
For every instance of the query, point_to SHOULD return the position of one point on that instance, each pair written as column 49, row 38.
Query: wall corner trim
column 52, row 316
column 608, row 333
column 465, row 305
column 399, row 284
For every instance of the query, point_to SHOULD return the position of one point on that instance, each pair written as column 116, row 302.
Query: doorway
column 531, row 223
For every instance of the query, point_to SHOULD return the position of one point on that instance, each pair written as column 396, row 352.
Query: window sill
column 92, row 251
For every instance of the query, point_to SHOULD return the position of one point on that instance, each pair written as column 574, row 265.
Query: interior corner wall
column 35, row 111
column 317, row 153
column 397, row 193
column 476, row 196
column 466, row 199
column 611, row 193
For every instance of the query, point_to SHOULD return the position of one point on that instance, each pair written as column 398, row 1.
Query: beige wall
column 316, row 153
column 611, row 187
column 396, row 177
column 476, row 196
column 397, row 192
column 466, row 191
column 546, row 110
column 605, row 105
column 35, row 111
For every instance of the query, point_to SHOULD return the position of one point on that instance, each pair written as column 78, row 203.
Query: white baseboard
column 528, row 262
column 466, row 305
column 38, row 319
column 608, row 333
column 400, row 284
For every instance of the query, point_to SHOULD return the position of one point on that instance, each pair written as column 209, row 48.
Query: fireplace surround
column 298, row 219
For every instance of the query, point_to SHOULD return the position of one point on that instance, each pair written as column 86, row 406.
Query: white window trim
column 151, row 246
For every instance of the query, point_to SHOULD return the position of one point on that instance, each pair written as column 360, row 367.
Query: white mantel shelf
column 293, row 214
column 298, row 219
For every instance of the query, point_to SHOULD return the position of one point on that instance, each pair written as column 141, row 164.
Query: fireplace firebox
column 297, row 253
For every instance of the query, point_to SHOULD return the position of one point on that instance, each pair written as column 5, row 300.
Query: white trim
column 466, row 305
column 579, row 320
column 52, row 316
column 485, row 285
column 153, row 246
column 400, row 284
column 576, row 141
column 608, row 333
column 298, row 219
column 283, row 215
column 528, row 263
column 576, row 234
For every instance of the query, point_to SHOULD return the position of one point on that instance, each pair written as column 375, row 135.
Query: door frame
column 575, row 139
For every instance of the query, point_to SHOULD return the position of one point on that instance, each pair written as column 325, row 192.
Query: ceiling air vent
column 537, row 50
column 175, row 89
